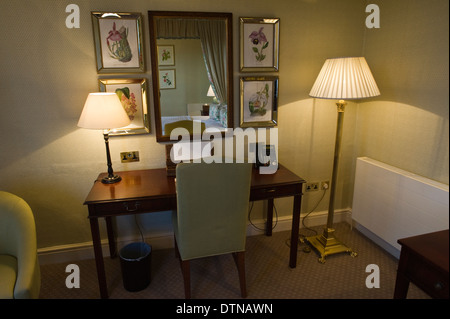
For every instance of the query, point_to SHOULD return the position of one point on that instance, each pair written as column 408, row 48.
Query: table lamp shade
column 210, row 92
column 103, row 111
column 345, row 79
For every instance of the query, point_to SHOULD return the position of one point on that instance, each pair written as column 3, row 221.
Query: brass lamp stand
column 339, row 79
column 326, row 243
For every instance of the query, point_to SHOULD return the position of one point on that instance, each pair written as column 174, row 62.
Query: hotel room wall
column 48, row 70
column 408, row 125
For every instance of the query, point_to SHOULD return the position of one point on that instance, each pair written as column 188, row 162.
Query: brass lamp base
column 326, row 244
column 111, row 179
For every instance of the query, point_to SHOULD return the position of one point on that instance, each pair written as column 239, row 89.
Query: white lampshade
column 210, row 92
column 103, row 111
column 345, row 79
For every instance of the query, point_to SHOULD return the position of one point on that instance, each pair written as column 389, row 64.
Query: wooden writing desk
column 151, row 190
column 424, row 261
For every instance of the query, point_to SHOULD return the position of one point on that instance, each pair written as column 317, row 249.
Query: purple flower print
column 258, row 39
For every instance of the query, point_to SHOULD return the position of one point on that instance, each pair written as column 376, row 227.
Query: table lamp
column 103, row 111
column 212, row 94
column 340, row 79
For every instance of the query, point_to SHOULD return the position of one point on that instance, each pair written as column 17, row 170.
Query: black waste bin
column 135, row 261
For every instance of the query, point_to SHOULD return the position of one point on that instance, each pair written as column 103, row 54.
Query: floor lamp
column 340, row 79
column 103, row 111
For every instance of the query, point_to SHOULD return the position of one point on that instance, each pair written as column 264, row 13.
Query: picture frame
column 258, row 101
column 166, row 55
column 118, row 40
column 259, row 44
column 167, row 79
column 133, row 96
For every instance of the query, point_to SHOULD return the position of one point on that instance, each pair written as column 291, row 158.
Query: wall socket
column 316, row 186
column 127, row 157
column 312, row 187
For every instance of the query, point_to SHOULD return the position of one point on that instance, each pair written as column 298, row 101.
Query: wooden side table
column 424, row 262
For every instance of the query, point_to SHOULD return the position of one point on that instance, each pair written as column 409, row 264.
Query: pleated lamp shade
column 345, row 79
column 103, row 111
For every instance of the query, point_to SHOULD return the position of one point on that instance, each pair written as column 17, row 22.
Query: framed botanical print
column 167, row 79
column 259, row 47
column 132, row 93
column 118, row 42
column 166, row 55
column 259, row 101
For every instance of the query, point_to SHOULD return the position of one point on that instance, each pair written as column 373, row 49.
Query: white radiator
column 390, row 203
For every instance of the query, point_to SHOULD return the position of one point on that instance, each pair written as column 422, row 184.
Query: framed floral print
column 259, row 101
column 118, row 42
column 132, row 93
column 167, row 79
column 259, row 44
column 166, row 55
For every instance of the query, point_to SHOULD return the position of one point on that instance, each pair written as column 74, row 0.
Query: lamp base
column 326, row 244
column 111, row 179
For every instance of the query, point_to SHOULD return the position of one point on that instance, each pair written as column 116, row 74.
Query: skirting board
column 377, row 240
column 80, row 251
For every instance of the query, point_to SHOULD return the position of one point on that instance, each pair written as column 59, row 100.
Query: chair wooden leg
column 185, row 269
column 177, row 252
column 239, row 258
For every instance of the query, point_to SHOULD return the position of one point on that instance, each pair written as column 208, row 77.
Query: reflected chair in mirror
column 185, row 124
column 211, row 216
column 19, row 266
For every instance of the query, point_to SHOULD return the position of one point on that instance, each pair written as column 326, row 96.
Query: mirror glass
column 191, row 55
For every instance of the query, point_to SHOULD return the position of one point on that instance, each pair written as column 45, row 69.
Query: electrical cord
column 302, row 237
column 139, row 227
column 256, row 227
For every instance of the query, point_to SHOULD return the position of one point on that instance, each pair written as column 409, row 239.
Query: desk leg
column 95, row 231
column 401, row 282
column 401, row 286
column 295, row 230
column 111, row 237
column 269, row 220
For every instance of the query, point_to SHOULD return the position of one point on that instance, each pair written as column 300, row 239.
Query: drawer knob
column 438, row 286
column 136, row 207
column 271, row 190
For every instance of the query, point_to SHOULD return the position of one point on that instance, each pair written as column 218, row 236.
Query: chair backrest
column 187, row 124
column 212, row 208
column 17, row 226
column 18, row 239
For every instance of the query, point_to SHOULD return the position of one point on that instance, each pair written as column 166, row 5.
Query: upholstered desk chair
column 211, row 217
column 187, row 124
column 19, row 267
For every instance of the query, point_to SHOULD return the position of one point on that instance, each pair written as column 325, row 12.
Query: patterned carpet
column 268, row 274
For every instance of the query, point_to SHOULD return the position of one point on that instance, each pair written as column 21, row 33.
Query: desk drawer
column 275, row 191
column 132, row 207
column 425, row 276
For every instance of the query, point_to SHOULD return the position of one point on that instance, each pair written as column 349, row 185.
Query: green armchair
column 211, row 216
column 19, row 266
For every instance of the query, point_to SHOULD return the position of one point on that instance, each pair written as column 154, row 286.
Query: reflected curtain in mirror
column 212, row 34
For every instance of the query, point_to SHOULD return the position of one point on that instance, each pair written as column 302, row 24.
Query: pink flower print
column 118, row 45
column 114, row 35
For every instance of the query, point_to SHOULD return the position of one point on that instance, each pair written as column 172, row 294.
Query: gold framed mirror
column 191, row 56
